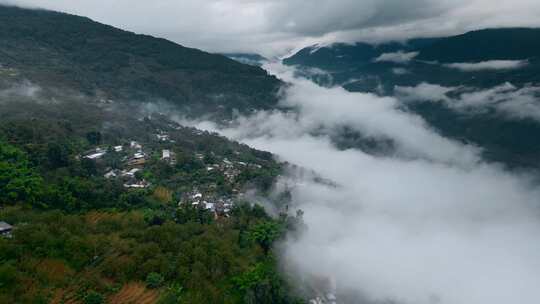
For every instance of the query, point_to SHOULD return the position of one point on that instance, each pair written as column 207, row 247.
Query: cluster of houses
column 219, row 206
column 230, row 169
column 135, row 158
column 325, row 291
column 327, row 299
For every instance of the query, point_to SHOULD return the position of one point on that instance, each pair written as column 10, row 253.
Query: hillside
column 70, row 52
column 114, row 203
column 341, row 56
column 360, row 66
column 483, row 45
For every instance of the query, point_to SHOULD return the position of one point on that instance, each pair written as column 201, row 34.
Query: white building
column 135, row 145
column 97, row 155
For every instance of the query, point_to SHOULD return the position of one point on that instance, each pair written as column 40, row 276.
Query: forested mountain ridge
column 72, row 52
column 362, row 66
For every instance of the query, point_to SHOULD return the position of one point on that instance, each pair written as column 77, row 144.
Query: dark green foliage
column 483, row 45
column 263, row 284
column 19, row 183
column 265, row 234
column 93, row 298
column 154, row 280
column 194, row 262
column 94, row 137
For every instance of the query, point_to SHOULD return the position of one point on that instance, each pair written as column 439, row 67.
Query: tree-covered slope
column 102, row 215
column 483, row 45
column 67, row 51
column 342, row 56
column 360, row 67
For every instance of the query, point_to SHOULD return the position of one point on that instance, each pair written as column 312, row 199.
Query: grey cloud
column 21, row 89
column 510, row 101
column 488, row 65
column 400, row 71
column 397, row 57
column 322, row 16
column 275, row 27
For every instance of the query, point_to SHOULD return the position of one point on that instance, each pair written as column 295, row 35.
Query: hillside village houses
column 5, row 229
column 168, row 156
column 135, row 158
column 220, row 206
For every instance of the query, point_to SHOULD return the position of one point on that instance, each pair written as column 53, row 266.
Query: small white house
column 5, row 229
column 97, row 155
column 166, row 154
column 162, row 137
column 138, row 155
column 110, row 174
column 135, row 145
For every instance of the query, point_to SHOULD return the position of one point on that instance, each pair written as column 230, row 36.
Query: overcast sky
column 273, row 27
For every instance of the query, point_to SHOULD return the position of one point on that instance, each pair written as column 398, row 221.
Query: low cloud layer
column 488, row 65
column 506, row 99
column 444, row 227
column 274, row 27
column 397, row 57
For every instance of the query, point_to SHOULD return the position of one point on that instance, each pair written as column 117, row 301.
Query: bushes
column 154, row 280
column 18, row 181
column 93, row 297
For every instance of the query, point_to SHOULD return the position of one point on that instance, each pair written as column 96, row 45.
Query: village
column 133, row 159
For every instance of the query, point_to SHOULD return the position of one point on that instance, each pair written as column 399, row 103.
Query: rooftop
column 5, row 226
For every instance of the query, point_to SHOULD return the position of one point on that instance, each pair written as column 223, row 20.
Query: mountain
column 483, row 45
column 366, row 67
column 71, row 52
column 339, row 56
column 484, row 61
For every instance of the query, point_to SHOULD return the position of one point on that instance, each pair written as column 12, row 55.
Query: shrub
column 93, row 297
column 154, row 280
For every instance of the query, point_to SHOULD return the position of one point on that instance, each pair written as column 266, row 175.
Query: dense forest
column 86, row 231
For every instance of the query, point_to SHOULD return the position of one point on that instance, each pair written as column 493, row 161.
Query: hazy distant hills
column 67, row 51
column 482, row 45
column 468, row 93
column 366, row 67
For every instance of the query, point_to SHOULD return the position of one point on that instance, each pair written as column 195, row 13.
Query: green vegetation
column 91, row 256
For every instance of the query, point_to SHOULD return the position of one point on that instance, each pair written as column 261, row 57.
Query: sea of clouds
column 430, row 222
